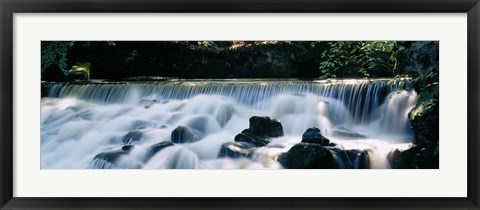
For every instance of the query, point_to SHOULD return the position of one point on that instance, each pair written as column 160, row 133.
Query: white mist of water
column 78, row 122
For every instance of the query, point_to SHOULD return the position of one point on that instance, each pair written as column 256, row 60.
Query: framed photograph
column 239, row 105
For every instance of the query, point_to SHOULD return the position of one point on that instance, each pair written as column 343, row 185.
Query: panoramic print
column 239, row 105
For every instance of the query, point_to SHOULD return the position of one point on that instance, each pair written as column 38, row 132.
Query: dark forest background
column 241, row 59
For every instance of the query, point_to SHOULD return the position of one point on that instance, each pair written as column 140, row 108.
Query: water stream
column 79, row 121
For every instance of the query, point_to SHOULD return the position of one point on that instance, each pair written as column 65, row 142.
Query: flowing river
column 80, row 121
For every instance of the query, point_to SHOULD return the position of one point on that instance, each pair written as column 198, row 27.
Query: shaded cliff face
column 190, row 59
column 421, row 61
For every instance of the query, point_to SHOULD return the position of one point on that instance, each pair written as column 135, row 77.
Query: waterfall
column 80, row 121
column 358, row 97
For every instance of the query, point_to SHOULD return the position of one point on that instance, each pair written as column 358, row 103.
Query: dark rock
column 418, row 58
column 341, row 158
column 282, row 159
column 132, row 137
column 309, row 156
column 236, row 150
column 416, row 157
column 110, row 157
column 159, row 146
column 182, row 134
column 156, row 148
column 44, row 88
column 399, row 159
column 127, row 147
column 265, row 127
column 248, row 137
column 313, row 135
column 77, row 76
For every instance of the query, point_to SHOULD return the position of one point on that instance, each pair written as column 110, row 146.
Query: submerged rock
column 224, row 114
column 247, row 137
column 147, row 103
column 141, row 124
column 236, row 150
column 313, row 135
column 345, row 132
column 265, row 127
column 132, row 137
column 359, row 159
column 156, row 148
column 308, row 156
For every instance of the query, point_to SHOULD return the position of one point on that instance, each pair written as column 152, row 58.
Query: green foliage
column 356, row 58
column 55, row 53
column 211, row 46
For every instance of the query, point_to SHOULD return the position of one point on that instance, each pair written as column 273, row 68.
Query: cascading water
column 79, row 121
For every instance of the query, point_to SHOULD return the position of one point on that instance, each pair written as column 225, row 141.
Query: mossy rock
column 424, row 117
column 80, row 71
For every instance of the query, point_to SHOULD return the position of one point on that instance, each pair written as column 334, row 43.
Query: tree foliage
column 357, row 58
column 55, row 53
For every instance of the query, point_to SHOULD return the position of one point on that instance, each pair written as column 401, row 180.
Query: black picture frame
column 9, row 7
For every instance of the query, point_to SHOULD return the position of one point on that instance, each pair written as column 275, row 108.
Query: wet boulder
column 263, row 126
column 308, row 156
column 399, row 159
column 282, row 159
column 247, row 137
column 107, row 159
column 224, row 114
column 415, row 157
column 313, row 135
column 141, row 124
column 147, row 103
column 359, row 159
column 183, row 134
column 132, row 137
column 341, row 157
column 236, row 150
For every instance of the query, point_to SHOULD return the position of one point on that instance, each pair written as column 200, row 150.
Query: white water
column 81, row 121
